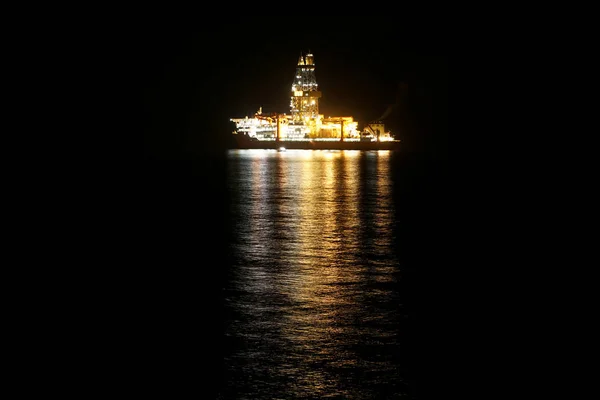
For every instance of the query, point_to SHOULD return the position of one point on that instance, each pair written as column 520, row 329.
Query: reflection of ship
column 304, row 127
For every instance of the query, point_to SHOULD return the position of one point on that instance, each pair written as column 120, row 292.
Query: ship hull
column 242, row 142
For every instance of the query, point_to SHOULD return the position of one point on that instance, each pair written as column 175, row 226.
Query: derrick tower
column 305, row 91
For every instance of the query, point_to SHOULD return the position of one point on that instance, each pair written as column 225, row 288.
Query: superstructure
column 304, row 123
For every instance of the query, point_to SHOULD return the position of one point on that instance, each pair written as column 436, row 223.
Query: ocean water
column 314, row 299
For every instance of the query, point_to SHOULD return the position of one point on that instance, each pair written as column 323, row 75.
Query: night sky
column 194, row 79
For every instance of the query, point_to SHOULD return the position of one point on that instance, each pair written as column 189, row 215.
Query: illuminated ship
column 304, row 127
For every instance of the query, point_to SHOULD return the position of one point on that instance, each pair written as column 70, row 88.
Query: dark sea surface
column 314, row 299
column 290, row 275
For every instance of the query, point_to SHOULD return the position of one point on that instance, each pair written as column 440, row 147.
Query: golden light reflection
column 309, row 217
column 328, row 216
column 384, row 192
